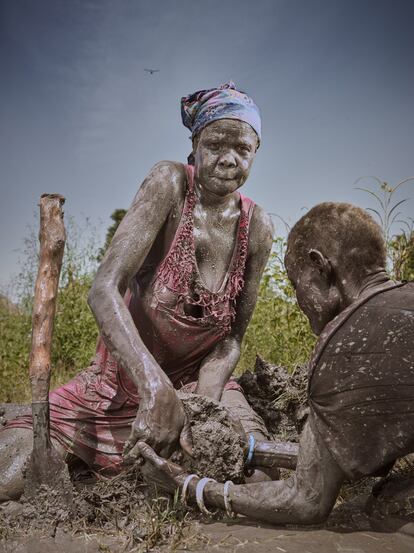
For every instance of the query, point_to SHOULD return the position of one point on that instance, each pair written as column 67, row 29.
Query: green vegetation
column 117, row 215
column 279, row 332
column 400, row 246
column 75, row 331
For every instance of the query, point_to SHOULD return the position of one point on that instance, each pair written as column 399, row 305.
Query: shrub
column 75, row 331
column 15, row 331
column 278, row 330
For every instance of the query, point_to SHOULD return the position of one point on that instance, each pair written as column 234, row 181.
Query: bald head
column 343, row 233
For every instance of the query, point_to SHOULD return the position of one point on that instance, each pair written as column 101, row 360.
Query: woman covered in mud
column 172, row 298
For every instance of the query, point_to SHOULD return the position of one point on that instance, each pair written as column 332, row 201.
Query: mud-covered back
column 361, row 384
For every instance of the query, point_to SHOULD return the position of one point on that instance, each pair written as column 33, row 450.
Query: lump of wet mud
column 217, row 445
column 278, row 397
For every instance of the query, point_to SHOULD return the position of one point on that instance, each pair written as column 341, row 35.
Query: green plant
column 75, row 330
column 117, row 215
column 278, row 331
column 402, row 253
column 400, row 247
column 15, row 332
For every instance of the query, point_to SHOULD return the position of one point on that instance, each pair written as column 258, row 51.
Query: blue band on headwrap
column 225, row 102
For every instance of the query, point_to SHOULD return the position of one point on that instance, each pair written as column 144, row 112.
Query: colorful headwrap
column 225, row 102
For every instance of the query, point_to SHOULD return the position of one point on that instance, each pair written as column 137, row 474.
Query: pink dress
column 91, row 415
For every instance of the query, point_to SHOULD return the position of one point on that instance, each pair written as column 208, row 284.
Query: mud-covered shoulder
column 166, row 179
column 261, row 232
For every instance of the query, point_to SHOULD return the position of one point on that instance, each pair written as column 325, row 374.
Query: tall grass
column 278, row 331
column 400, row 243
column 75, row 332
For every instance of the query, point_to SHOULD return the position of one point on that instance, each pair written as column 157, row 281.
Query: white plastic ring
column 227, row 502
column 199, row 495
column 185, row 487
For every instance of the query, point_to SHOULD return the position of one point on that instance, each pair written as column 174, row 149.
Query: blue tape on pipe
column 252, row 442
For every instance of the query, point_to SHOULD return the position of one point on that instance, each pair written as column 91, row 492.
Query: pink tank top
column 178, row 340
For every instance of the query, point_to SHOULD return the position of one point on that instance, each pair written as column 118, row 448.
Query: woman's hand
column 163, row 473
column 160, row 422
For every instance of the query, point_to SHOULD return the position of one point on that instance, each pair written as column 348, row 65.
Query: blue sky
column 334, row 80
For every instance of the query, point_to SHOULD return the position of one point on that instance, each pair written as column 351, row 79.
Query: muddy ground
column 123, row 514
column 233, row 536
column 125, row 506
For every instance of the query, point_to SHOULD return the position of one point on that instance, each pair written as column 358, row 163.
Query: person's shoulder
column 166, row 178
column 171, row 169
column 261, row 230
column 397, row 296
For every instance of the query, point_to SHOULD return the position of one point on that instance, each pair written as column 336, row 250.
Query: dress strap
column 247, row 205
column 177, row 268
column 189, row 169
column 236, row 276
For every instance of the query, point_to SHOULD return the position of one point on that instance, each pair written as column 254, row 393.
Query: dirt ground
column 113, row 513
column 233, row 537
column 122, row 513
column 247, row 537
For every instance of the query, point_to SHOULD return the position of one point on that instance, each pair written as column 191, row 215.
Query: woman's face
column 224, row 153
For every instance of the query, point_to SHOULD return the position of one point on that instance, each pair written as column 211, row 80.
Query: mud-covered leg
column 16, row 445
column 305, row 498
column 252, row 423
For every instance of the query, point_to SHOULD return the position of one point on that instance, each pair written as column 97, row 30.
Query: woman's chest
column 214, row 247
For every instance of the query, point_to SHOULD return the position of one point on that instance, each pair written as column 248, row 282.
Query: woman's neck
column 208, row 200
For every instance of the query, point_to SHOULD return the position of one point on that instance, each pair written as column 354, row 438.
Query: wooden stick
column 52, row 238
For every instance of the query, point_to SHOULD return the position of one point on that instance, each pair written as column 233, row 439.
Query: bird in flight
column 151, row 71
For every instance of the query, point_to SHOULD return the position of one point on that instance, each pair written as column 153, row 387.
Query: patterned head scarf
column 225, row 102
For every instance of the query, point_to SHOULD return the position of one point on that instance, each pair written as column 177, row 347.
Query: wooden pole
column 46, row 465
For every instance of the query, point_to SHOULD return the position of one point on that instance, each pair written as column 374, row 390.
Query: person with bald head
column 361, row 375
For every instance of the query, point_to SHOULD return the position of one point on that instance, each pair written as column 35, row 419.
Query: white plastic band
column 185, row 487
column 227, row 501
column 199, row 495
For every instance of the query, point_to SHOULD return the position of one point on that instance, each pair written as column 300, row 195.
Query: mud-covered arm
column 307, row 497
column 161, row 413
column 220, row 363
